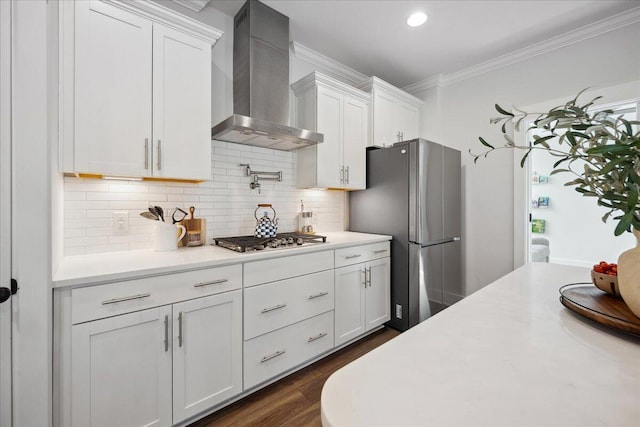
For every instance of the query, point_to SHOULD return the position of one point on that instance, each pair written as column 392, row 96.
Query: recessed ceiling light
column 417, row 19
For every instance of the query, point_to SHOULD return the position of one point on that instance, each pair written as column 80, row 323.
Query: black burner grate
column 252, row 243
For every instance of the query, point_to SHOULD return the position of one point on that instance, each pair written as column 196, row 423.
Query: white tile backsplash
column 226, row 202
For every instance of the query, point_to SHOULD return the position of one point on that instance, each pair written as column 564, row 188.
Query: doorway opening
column 564, row 227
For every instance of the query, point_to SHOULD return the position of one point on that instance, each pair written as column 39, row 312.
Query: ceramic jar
column 629, row 276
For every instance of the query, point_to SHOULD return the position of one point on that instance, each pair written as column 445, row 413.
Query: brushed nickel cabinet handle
column 116, row 300
column 272, row 356
column 342, row 175
column 317, row 337
column 166, row 333
column 275, row 307
column 368, row 280
column 321, row 294
column 353, row 256
column 180, row 339
column 159, row 154
column 146, row 153
column 364, row 272
column 347, row 174
column 381, row 251
column 214, row 282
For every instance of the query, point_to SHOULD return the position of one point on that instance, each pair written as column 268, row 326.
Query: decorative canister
column 265, row 226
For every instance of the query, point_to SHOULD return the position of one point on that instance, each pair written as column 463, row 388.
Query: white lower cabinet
column 158, row 351
column 362, row 298
column 207, row 353
column 159, row 366
column 121, row 371
column 276, row 352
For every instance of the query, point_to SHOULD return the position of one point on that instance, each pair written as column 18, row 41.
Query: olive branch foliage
column 601, row 150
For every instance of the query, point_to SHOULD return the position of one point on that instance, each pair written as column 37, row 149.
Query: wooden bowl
column 606, row 282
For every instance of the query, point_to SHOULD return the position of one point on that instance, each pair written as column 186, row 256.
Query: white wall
column 466, row 107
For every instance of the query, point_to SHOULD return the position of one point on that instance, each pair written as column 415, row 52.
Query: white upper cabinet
column 395, row 114
column 181, row 105
column 341, row 113
column 135, row 93
column 112, row 90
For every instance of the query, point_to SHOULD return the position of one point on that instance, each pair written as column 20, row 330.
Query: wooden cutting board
column 591, row 302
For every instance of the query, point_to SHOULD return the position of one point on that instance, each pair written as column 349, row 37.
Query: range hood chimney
column 261, row 83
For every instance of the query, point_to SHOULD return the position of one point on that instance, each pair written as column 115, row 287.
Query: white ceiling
column 373, row 38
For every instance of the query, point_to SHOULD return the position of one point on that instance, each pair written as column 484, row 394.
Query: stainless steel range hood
column 261, row 83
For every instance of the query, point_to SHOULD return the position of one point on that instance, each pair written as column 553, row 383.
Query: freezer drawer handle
column 321, row 294
column 381, row 251
column 116, row 300
column 275, row 307
column 273, row 356
column 214, row 282
column 317, row 337
column 352, row 256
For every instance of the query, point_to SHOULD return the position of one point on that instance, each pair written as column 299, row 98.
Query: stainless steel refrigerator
column 414, row 194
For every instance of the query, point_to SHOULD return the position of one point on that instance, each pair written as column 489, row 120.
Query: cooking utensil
column 184, row 215
column 160, row 212
column 149, row 215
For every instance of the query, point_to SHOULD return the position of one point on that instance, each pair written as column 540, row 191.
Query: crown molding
column 327, row 65
column 315, row 79
column 170, row 18
column 584, row 33
column 195, row 5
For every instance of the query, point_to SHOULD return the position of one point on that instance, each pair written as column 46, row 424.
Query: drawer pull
column 381, row 251
column 317, row 337
column 275, row 307
column 116, row 300
column 352, row 256
column 215, row 282
column 321, row 294
column 272, row 356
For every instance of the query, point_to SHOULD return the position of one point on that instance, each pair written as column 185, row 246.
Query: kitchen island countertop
column 509, row 355
column 116, row 266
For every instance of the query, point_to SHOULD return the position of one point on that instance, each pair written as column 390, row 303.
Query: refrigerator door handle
column 438, row 242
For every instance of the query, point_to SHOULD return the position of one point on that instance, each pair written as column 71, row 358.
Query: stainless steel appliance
column 414, row 194
column 261, row 83
column 280, row 241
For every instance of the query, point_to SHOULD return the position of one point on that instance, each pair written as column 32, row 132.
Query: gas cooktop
column 280, row 241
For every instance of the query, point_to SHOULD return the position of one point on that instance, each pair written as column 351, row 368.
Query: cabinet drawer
column 271, row 270
column 97, row 302
column 356, row 254
column 276, row 352
column 278, row 304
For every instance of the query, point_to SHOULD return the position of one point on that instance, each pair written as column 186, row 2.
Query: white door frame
column 625, row 93
column 5, row 214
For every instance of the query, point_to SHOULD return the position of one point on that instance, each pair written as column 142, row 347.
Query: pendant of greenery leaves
column 599, row 148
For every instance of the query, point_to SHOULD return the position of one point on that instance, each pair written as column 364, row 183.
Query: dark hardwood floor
column 295, row 399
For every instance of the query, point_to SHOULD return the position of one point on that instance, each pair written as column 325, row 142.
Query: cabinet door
column 181, row 105
column 408, row 121
column 377, row 294
column 121, row 370
column 112, row 91
column 349, row 305
column 355, row 132
column 207, row 352
column 329, row 160
column 385, row 129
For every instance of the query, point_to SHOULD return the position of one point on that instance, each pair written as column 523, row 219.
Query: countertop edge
column 65, row 277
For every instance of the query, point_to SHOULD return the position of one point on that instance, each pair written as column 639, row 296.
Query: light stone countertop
column 117, row 266
column 509, row 355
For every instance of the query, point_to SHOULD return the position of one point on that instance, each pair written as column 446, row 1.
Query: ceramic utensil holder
column 167, row 236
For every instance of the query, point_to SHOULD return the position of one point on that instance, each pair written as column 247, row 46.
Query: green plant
column 601, row 149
